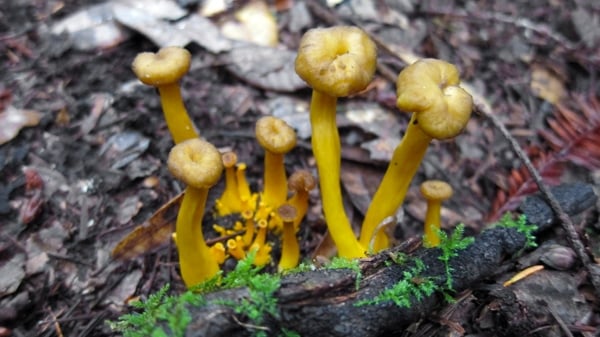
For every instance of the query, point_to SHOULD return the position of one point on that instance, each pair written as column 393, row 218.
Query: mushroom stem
column 393, row 187
column 178, row 121
column 195, row 258
column 433, row 221
column 327, row 152
column 275, row 190
column 290, row 249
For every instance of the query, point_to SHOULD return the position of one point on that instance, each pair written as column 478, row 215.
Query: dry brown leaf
column 150, row 235
column 13, row 120
column 546, row 85
column 255, row 23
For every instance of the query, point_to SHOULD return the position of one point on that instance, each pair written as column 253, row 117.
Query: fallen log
column 324, row 302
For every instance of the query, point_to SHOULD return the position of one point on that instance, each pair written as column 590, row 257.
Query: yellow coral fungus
column 229, row 202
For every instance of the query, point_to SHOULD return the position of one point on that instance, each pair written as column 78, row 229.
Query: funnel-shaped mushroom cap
column 338, row 61
column 430, row 88
column 165, row 67
column 275, row 135
column 436, row 190
column 196, row 162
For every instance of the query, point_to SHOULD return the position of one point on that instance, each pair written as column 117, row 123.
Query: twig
column 565, row 220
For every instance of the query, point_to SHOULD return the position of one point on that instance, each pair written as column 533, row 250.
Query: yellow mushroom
column 235, row 249
column 335, row 62
column 441, row 109
column 263, row 254
column 434, row 191
column 247, row 198
column 163, row 70
column 290, row 249
column 198, row 164
column 218, row 252
column 249, row 234
column 300, row 183
column 277, row 138
column 229, row 202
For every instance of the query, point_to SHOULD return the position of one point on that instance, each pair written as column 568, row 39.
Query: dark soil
column 92, row 169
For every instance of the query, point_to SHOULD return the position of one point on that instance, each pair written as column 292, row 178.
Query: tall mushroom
column 441, row 109
column 163, row 70
column 277, row 138
column 434, row 191
column 335, row 62
column 198, row 164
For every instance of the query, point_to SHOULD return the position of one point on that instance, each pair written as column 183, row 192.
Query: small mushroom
column 198, row 164
column 335, row 62
column 440, row 110
column 300, row 183
column 277, row 138
column 229, row 202
column 163, row 70
column 435, row 192
column 290, row 249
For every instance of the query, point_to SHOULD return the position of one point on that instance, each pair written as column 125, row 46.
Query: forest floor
column 84, row 143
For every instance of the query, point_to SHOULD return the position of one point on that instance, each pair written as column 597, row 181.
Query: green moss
column 450, row 245
column 520, row 224
column 412, row 284
column 346, row 263
column 173, row 310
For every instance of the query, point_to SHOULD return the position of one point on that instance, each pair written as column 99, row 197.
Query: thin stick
column 565, row 220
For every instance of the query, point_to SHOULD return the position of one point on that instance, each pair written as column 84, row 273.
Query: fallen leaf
column 12, row 273
column 13, row 120
column 546, row 85
column 265, row 67
column 255, row 23
column 150, row 235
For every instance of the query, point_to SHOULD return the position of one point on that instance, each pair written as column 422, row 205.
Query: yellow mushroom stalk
column 218, row 252
column 229, row 202
column 277, row 138
column 236, row 249
column 290, row 249
column 163, row 70
column 198, row 164
column 300, row 183
column 434, row 191
column 335, row 62
column 441, row 109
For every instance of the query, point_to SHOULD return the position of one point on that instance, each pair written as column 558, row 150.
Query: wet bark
column 323, row 302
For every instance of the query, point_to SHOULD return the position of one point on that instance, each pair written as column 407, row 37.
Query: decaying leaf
column 546, row 85
column 13, row 120
column 255, row 23
column 150, row 235
column 265, row 67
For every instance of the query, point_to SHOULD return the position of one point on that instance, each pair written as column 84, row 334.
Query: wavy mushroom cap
column 275, row 135
column 338, row 61
column 166, row 66
column 301, row 180
column 436, row 190
column 429, row 87
column 287, row 212
column 196, row 162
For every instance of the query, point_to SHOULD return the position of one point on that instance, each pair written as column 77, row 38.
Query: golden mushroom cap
column 166, row 66
column 436, row 190
column 338, row 61
column 429, row 87
column 275, row 135
column 302, row 180
column 229, row 159
column 196, row 162
column 287, row 212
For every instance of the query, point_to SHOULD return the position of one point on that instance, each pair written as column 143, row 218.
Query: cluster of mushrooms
column 335, row 62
